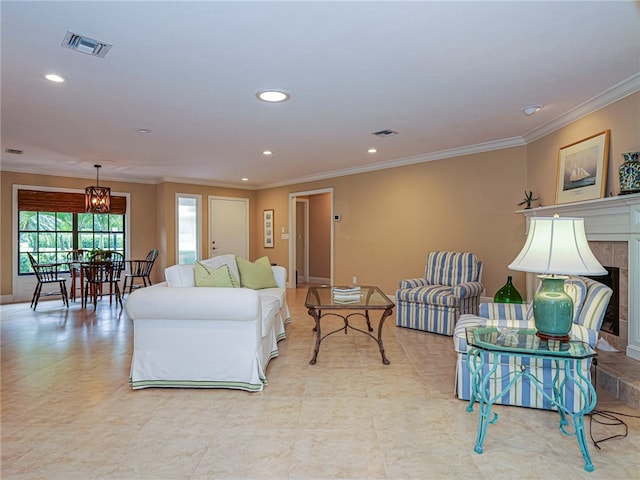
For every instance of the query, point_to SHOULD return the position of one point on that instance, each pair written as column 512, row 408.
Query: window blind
column 40, row 201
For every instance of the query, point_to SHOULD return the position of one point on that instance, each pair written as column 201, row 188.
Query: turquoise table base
column 483, row 358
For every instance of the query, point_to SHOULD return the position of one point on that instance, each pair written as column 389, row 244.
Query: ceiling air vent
column 86, row 45
column 15, row 151
column 385, row 133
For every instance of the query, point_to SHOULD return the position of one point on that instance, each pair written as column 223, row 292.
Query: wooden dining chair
column 47, row 273
column 98, row 274
column 74, row 257
column 104, row 268
column 139, row 269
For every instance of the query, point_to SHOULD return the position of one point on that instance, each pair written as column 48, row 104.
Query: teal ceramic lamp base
column 553, row 309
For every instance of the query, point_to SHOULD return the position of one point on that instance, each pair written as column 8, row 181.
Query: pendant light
column 97, row 199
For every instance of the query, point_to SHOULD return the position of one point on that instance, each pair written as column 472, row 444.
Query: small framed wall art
column 582, row 169
column 268, row 228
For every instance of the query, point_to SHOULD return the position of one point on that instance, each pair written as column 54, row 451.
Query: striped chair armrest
column 468, row 289
column 595, row 305
column 412, row 283
column 584, row 334
column 460, row 335
column 504, row 311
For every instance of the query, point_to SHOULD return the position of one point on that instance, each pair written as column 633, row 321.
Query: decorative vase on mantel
column 630, row 173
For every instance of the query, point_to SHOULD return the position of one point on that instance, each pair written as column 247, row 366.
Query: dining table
column 77, row 271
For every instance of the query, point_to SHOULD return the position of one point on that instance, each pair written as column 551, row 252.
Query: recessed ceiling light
column 273, row 96
column 372, row 150
column 52, row 77
column 143, row 130
column 531, row 109
column 245, row 179
column 267, row 152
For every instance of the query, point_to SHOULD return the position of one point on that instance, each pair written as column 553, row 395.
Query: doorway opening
column 311, row 237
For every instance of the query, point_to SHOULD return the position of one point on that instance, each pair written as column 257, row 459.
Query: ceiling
column 450, row 77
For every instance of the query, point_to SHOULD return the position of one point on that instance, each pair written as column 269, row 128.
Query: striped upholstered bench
column 590, row 303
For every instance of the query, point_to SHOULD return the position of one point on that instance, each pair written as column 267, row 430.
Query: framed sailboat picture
column 582, row 169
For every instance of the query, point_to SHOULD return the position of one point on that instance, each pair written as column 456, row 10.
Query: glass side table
column 486, row 346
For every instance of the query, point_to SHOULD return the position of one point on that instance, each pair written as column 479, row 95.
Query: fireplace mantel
column 609, row 219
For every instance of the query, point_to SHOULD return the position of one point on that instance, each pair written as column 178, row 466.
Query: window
column 46, row 235
column 188, row 214
column 50, row 235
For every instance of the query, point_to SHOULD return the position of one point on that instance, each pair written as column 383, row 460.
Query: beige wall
column 390, row 218
column 621, row 118
column 271, row 200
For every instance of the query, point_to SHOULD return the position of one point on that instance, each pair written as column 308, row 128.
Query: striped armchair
column 590, row 303
column 451, row 287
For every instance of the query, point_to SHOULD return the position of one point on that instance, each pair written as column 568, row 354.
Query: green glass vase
column 508, row 293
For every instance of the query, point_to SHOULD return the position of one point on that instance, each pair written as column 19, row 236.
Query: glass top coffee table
column 325, row 301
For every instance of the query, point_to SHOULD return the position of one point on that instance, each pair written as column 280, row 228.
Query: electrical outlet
column 355, row 279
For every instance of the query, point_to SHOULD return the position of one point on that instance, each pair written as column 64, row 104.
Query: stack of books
column 346, row 294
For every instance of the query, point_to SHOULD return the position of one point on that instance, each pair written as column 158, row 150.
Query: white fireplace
column 614, row 220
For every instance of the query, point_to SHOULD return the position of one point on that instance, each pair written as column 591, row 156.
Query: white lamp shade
column 557, row 245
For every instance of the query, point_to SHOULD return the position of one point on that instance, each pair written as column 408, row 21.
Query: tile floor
column 69, row 413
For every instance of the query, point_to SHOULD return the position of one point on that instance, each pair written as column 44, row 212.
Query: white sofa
column 206, row 337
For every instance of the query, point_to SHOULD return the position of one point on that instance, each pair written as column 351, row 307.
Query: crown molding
column 401, row 162
column 623, row 89
column 51, row 172
column 206, row 183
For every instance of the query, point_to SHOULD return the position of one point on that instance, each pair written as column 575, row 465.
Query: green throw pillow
column 256, row 275
column 215, row 277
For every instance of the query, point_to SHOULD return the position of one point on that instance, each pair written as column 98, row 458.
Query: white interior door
column 228, row 226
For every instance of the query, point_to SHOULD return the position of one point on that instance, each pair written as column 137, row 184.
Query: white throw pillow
column 228, row 259
column 180, row 276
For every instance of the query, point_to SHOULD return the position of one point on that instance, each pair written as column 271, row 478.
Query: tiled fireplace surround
column 612, row 225
column 616, row 254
